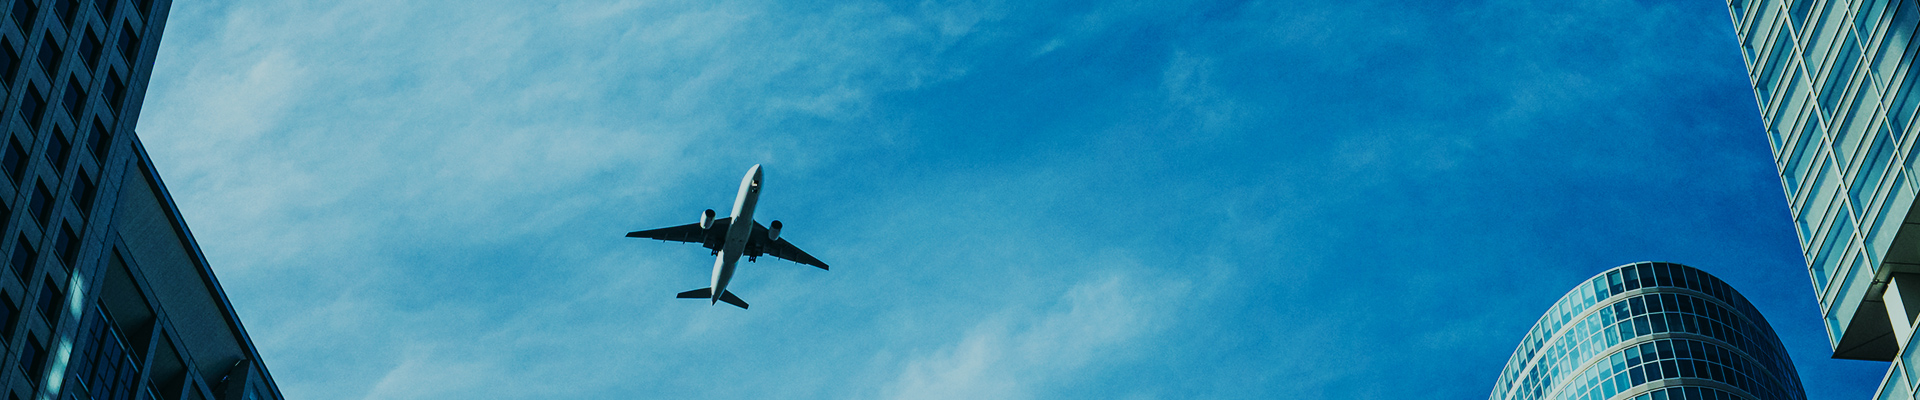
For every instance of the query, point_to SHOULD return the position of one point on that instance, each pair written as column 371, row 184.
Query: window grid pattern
column 1670, row 359
column 1639, row 303
column 1688, row 393
column 1838, row 97
column 1643, row 315
column 86, row 53
column 104, row 367
column 1612, row 283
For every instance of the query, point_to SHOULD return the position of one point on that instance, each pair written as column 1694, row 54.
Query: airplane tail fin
column 727, row 296
column 701, row 293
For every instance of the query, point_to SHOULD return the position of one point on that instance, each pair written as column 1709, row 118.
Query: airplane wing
column 690, row 233
column 778, row 248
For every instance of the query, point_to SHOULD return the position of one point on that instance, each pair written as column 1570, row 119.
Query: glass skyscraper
column 1836, row 87
column 1650, row 331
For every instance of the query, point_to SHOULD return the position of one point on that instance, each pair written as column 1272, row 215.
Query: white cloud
column 366, row 175
column 1016, row 353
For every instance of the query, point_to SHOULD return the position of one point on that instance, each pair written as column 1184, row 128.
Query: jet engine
column 706, row 219
column 773, row 231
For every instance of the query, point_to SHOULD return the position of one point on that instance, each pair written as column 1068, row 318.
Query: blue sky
column 1299, row 199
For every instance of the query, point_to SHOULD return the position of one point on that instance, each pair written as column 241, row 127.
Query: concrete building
column 1650, row 331
column 1836, row 87
column 107, row 295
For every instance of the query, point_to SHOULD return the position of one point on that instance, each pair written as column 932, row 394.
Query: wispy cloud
column 1021, row 200
column 1008, row 355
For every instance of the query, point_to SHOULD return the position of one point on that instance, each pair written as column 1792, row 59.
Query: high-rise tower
column 1837, row 92
column 106, row 294
column 1650, row 331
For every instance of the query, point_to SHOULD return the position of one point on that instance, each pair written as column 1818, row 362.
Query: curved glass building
column 1650, row 331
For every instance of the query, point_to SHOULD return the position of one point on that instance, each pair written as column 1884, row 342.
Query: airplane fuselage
column 738, row 232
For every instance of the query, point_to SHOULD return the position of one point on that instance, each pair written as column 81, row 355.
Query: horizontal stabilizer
column 701, row 293
column 728, row 297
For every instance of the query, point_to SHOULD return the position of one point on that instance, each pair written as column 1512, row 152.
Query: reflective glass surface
column 1639, row 328
column 1837, row 95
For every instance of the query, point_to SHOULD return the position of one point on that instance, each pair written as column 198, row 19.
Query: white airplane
column 730, row 240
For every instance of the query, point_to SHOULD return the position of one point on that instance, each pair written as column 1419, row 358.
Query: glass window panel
column 1840, row 76
column 1822, row 41
column 1776, row 61
column 1853, row 289
column 1793, row 106
column 1860, row 116
column 1867, row 179
column 1904, row 99
column 1801, row 150
column 1909, row 357
column 1893, row 47
column 1895, row 388
column 1818, row 204
column 1830, row 251
column 1885, row 223
column 1797, row 15
column 1764, row 24
column 1867, row 19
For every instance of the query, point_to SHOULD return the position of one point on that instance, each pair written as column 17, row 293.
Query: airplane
column 729, row 241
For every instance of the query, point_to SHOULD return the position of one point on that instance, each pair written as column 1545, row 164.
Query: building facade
column 1836, row 87
column 1650, row 331
column 107, row 295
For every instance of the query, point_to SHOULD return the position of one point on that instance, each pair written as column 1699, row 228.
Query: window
column 23, row 13
column 50, row 56
column 32, row 358
column 65, row 9
column 129, row 44
column 23, row 255
column 57, row 150
column 68, row 245
column 75, row 99
column 99, row 140
column 116, row 91
column 102, row 362
column 90, row 48
column 34, row 106
column 10, row 314
column 106, row 8
column 83, row 189
column 1799, row 12
column 16, row 160
column 9, row 61
column 143, row 6
column 42, row 205
column 50, row 301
